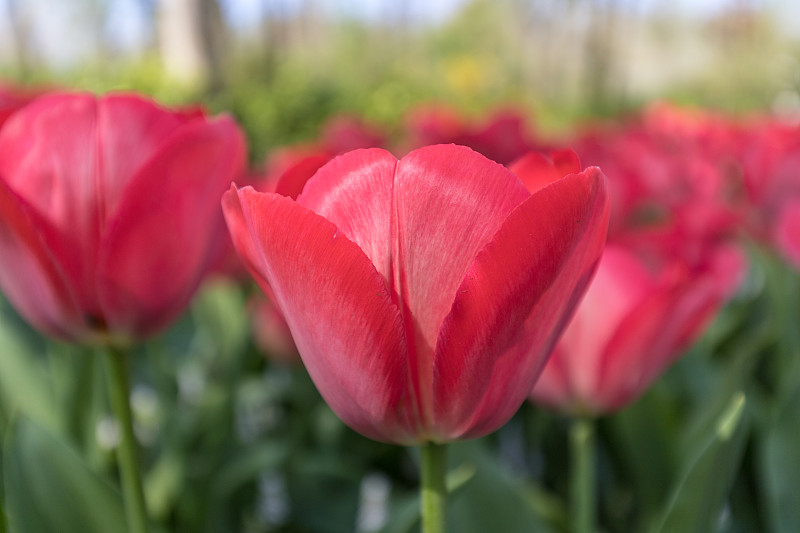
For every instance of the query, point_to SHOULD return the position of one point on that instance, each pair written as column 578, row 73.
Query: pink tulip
column 109, row 212
column 424, row 294
column 632, row 324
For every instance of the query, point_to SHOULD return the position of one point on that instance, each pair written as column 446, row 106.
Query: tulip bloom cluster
column 684, row 186
column 424, row 294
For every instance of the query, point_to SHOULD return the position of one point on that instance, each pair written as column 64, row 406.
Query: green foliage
column 50, row 488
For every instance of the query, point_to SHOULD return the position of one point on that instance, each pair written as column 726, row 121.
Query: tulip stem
column 119, row 392
column 434, row 491
column 582, row 476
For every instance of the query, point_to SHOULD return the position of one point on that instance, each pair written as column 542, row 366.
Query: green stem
column 582, row 475
column 119, row 391
column 434, row 491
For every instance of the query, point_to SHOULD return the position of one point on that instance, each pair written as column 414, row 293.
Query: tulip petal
column 48, row 157
column 537, row 170
column 621, row 285
column 168, row 227
column 30, row 278
column 649, row 340
column 449, row 202
column 293, row 181
column 240, row 235
column 338, row 307
column 124, row 150
column 514, row 302
column 354, row 192
column 659, row 329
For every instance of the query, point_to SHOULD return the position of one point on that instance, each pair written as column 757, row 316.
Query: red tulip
column 109, row 212
column 631, row 325
column 424, row 295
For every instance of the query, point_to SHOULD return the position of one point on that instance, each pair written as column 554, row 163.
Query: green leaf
column 248, row 465
column 780, row 462
column 24, row 383
column 493, row 499
column 698, row 498
column 49, row 488
column 642, row 438
column 218, row 310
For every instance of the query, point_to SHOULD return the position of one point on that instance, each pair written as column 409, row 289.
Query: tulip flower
column 423, row 294
column 109, row 219
column 109, row 212
column 632, row 324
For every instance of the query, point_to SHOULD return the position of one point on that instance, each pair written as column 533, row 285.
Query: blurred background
column 283, row 66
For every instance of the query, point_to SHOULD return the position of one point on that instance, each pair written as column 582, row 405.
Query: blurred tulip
column 109, row 212
column 271, row 332
column 664, row 161
column 770, row 155
column 502, row 137
column 424, row 295
column 344, row 133
column 13, row 98
column 634, row 321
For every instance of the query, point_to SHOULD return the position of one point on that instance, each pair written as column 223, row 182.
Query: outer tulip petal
column 338, row 307
column 61, row 187
column 126, row 150
column 620, row 286
column 649, row 341
column 242, row 241
column 514, row 302
column 449, row 202
column 354, row 192
column 171, row 210
column 30, row 278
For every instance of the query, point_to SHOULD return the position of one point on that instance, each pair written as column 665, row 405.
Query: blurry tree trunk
column 191, row 39
column 601, row 57
column 18, row 39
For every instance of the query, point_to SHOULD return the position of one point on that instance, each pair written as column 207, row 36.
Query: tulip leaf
column 248, row 465
column 218, row 311
column 641, row 436
column 494, row 499
column 699, row 496
column 404, row 515
column 49, row 488
column 781, row 467
column 24, row 382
